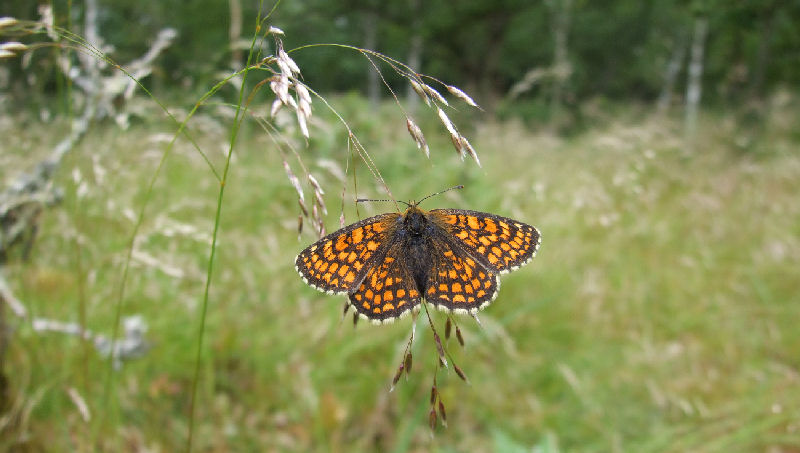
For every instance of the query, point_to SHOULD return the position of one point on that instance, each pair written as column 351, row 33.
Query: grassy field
column 660, row 315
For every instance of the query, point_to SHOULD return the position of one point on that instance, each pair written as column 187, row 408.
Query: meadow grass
column 660, row 315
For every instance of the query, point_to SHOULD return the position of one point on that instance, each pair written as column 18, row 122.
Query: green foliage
column 659, row 315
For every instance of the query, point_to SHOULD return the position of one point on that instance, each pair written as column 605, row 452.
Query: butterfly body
column 387, row 264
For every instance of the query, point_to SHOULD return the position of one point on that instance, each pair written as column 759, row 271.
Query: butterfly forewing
column 501, row 243
column 338, row 262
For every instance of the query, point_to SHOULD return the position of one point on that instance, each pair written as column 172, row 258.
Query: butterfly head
column 414, row 220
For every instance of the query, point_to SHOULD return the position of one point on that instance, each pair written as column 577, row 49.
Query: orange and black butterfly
column 387, row 264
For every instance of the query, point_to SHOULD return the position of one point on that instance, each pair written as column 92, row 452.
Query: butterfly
column 389, row 263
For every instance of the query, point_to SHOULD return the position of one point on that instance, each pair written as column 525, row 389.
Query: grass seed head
column 13, row 46
column 442, row 413
column 7, row 22
column 434, row 94
column 416, row 134
column 461, row 95
column 420, row 92
column 460, row 373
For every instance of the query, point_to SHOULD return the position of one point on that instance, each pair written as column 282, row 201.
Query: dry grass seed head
column 420, row 92
column 461, row 95
column 416, row 134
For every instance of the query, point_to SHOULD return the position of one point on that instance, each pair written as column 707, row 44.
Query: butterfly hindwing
column 338, row 262
column 457, row 282
column 388, row 290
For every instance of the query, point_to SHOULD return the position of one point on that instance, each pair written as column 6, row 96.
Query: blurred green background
column 660, row 314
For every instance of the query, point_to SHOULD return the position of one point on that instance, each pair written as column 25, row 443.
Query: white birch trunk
column 671, row 74
column 694, row 85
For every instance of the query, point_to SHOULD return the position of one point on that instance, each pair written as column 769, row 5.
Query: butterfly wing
column 339, row 262
column 456, row 281
column 388, row 290
column 499, row 243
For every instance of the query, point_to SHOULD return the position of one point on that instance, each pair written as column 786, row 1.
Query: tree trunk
column 694, row 85
column 414, row 52
column 762, row 57
column 371, row 43
column 671, row 75
column 561, row 18
column 234, row 32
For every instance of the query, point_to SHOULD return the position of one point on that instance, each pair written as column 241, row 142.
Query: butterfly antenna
column 361, row 200
column 460, row 186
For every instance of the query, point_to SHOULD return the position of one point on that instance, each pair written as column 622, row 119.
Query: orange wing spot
column 341, row 243
column 388, row 307
column 343, row 270
column 357, row 266
column 492, row 259
column 333, row 267
column 358, row 235
column 317, row 265
column 365, row 305
column 350, row 277
column 452, row 273
column 358, row 297
column 388, row 296
column 351, row 257
column 378, row 227
column 497, row 251
column 459, row 298
column 448, row 253
column 442, row 287
column 369, row 294
column 507, row 259
column 487, row 284
column 451, row 219
column 484, row 240
column 384, row 274
column 468, row 289
column 481, row 293
column 461, row 235
column 413, row 293
column 442, row 274
column 505, row 246
column 324, row 267
column 326, row 277
column 481, row 250
column 314, row 258
column 334, row 282
column 389, row 260
column 490, row 226
column 473, row 222
column 372, row 246
column 471, row 300
column 513, row 253
column 456, row 287
column 400, row 294
column 389, row 281
column 476, row 283
column 377, row 299
column 376, row 310
column 431, row 290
